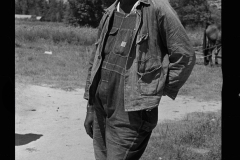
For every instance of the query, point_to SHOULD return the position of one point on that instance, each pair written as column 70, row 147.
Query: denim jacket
column 163, row 59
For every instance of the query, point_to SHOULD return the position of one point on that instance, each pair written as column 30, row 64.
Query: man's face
column 128, row 2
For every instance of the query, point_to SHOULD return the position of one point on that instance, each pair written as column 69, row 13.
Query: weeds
column 55, row 34
column 71, row 49
column 204, row 82
column 198, row 138
column 66, row 67
column 58, row 32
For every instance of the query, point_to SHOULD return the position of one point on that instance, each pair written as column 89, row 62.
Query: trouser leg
column 120, row 135
column 128, row 133
column 124, row 136
column 99, row 143
column 126, row 144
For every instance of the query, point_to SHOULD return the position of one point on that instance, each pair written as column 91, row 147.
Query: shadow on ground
column 22, row 139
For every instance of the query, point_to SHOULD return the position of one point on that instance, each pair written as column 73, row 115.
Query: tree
column 18, row 9
column 83, row 12
column 32, row 7
column 23, row 5
column 107, row 3
column 53, row 10
column 191, row 12
column 44, row 7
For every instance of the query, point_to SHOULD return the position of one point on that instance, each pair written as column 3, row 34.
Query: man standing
column 142, row 52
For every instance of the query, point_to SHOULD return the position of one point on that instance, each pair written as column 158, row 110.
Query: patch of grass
column 56, row 33
column 37, row 23
column 204, row 83
column 71, row 47
column 66, row 67
column 196, row 137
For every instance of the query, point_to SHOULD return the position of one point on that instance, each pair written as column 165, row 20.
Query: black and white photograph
column 118, row 80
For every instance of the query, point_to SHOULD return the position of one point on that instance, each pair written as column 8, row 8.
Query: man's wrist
column 90, row 109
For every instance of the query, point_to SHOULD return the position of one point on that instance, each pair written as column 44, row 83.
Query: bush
column 83, row 13
column 195, row 13
column 195, row 35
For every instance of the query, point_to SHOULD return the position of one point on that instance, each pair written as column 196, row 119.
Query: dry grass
column 204, row 83
column 196, row 137
column 54, row 32
column 67, row 66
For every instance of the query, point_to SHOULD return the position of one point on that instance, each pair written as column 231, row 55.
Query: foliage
column 194, row 13
column 51, row 10
column 89, row 12
column 83, row 12
column 54, row 11
column 32, row 7
column 191, row 12
column 107, row 3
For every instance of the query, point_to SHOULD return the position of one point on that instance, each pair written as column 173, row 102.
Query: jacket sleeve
column 90, row 64
column 181, row 54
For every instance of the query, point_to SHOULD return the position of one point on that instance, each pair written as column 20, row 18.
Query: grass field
column 196, row 137
column 66, row 67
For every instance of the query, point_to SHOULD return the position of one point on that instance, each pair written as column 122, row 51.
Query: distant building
column 30, row 17
column 38, row 18
column 21, row 16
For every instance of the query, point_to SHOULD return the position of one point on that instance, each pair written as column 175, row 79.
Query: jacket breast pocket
column 147, row 83
column 142, row 41
column 143, row 51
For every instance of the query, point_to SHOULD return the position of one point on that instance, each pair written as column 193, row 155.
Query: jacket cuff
column 86, row 95
column 170, row 92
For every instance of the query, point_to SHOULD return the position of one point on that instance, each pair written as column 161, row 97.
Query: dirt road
column 49, row 122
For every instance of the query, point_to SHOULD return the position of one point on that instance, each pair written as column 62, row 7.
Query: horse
column 211, row 42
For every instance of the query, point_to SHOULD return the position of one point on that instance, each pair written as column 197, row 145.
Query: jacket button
column 99, row 57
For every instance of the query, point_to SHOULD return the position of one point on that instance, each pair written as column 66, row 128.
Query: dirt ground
column 49, row 121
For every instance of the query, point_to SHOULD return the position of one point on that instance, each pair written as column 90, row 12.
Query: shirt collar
column 116, row 5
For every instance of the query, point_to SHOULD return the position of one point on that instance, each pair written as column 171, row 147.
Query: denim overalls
column 117, row 134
